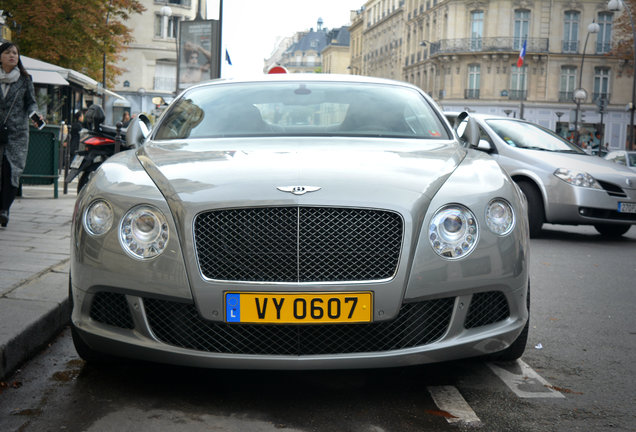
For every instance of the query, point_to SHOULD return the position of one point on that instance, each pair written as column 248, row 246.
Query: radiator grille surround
column 298, row 244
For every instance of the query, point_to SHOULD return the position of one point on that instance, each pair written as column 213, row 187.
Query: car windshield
column 301, row 109
column 530, row 136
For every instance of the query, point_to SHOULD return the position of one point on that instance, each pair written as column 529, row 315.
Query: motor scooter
column 101, row 142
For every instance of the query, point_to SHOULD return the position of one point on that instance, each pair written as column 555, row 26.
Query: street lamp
column 615, row 6
column 559, row 114
column 580, row 94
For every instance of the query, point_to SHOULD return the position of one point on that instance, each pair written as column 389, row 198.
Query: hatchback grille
column 112, row 309
column 180, row 325
column 298, row 244
column 612, row 189
column 487, row 308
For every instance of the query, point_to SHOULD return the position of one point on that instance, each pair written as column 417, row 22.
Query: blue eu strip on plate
column 233, row 307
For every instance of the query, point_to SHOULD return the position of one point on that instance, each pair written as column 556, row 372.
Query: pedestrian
column 76, row 127
column 17, row 101
column 125, row 119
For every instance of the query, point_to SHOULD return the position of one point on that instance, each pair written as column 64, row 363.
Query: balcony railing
column 517, row 94
column 566, row 96
column 571, row 47
column 471, row 94
column 597, row 96
column 495, row 44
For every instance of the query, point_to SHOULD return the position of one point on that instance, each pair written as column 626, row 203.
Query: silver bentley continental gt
column 300, row 222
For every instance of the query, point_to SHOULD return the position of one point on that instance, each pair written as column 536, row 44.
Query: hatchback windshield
column 301, row 109
column 531, row 136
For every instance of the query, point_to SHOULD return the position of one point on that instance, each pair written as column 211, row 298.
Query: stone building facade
column 464, row 53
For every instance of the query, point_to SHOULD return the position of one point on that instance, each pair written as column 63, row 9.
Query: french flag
column 522, row 54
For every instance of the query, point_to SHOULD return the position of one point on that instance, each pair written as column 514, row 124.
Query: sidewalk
column 34, row 263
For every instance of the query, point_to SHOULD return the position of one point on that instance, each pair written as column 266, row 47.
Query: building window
column 518, row 77
column 472, row 89
column 521, row 28
column 165, row 76
column 568, row 83
column 166, row 27
column 604, row 36
column 601, row 83
column 476, row 30
column 571, row 32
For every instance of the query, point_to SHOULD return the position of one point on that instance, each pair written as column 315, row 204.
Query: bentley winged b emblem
column 298, row 190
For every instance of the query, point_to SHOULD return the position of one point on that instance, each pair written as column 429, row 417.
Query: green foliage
column 74, row 34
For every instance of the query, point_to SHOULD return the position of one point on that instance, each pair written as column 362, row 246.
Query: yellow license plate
column 298, row 308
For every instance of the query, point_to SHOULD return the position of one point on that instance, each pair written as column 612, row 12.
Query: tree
column 623, row 33
column 75, row 34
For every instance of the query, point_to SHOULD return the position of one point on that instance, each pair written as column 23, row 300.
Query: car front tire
column 612, row 230
column 536, row 212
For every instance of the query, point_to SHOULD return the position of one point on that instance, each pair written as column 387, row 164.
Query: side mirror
column 467, row 129
column 138, row 130
column 484, row 145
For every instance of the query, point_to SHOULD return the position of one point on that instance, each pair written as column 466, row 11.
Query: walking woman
column 17, row 101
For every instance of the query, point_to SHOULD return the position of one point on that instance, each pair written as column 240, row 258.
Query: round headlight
column 143, row 232
column 453, row 232
column 500, row 217
column 98, row 218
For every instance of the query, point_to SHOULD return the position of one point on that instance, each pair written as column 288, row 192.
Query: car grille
column 487, row 308
column 112, row 309
column 180, row 325
column 298, row 244
column 612, row 189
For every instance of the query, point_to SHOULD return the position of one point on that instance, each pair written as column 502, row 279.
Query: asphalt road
column 577, row 374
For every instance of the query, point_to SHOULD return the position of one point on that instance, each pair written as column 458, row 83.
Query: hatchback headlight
column 577, row 178
column 143, row 232
column 500, row 217
column 98, row 218
column 453, row 231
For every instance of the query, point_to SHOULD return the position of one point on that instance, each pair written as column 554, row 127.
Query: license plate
column 77, row 161
column 298, row 308
column 624, row 207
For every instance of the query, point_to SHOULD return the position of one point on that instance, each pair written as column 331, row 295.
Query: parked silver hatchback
column 563, row 184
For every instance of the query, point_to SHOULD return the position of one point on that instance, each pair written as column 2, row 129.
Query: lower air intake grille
column 180, row 325
column 487, row 308
column 112, row 309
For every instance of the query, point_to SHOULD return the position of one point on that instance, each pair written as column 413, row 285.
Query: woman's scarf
column 6, row 79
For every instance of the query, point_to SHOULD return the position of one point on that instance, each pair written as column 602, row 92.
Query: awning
column 47, row 77
column 118, row 96
column 121, row 103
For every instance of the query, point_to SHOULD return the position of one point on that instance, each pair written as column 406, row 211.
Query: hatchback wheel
column 536, row 213
column 612, row 230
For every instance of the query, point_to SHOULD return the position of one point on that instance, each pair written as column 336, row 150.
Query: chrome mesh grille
column 112, row 309
column 180, row 325
column 298, row 244
column 487, row 308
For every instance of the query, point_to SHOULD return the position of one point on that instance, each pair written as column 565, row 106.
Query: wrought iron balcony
column 494, row 44
column 471, row 94
column 517, row 94
column 566, row 96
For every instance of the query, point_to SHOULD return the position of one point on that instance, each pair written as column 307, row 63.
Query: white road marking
column 524, row 381
column 454, row 406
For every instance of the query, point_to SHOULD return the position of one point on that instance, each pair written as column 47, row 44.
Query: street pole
column 582, row 93
column 220, row 36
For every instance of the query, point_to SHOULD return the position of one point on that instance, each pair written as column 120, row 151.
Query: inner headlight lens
column 500, row 217
column 144, row 232
column 577, row 178
column 98, row 218
column 453, row 232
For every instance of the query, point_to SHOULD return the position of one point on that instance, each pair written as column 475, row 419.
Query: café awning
column 47, row 77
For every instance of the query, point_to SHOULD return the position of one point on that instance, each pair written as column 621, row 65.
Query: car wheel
column 536, row 213
column 612, row 230
column 516, row 349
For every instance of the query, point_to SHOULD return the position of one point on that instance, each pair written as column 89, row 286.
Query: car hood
column 243, row 172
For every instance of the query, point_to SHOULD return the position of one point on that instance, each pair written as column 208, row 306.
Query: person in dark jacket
column 76, row 128
column 17, row 101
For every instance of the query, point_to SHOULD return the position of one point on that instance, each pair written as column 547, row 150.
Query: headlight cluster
column 454, row 231
column 143, row 231
column 577, row 178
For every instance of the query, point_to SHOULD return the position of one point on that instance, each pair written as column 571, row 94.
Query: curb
column 38, row 310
